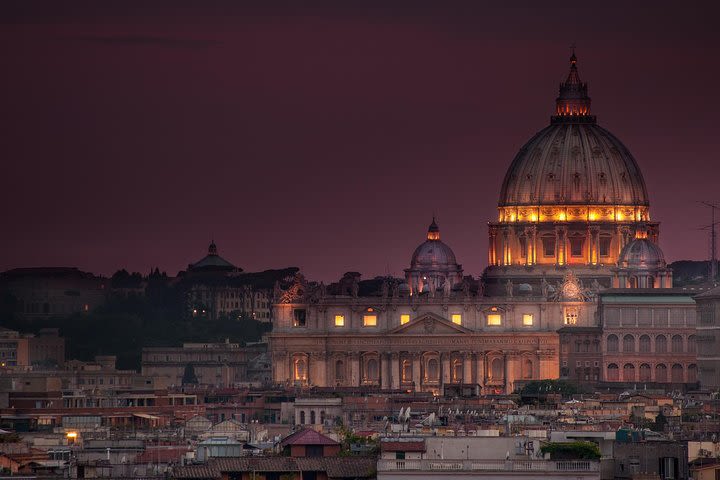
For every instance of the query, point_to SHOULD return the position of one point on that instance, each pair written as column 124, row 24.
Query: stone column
column 445, row 368
column 354, row 370
column 416, row 370
column 560, row 243
column 395, row 370
column 594, row 245
column 385, row 371
column 467, row 367
column 507, row 260
column 481, row 374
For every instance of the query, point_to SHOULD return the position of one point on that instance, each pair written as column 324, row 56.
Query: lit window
column 494, row 319
column 404, row 318
column 527, row 319
column 571, row 316
column 456, row 318
column 299, row 317
column 339, row 320
column 370, row 320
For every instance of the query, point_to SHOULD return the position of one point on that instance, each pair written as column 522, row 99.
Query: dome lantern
column 573, row 102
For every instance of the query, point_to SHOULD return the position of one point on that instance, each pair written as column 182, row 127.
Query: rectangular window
column 548, row 246
column 605, row 246
column 571, row 316
column 369, row 320
column 527, row 319
column 576, row 246
column 494, row 319
column 404, row 318
column 299, row 317
column 339, row 320
column 456, row 318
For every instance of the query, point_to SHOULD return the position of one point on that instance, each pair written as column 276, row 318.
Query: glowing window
column 494, row 319
column 456, row 318
column 339, row 320
column 404, row 318
column 527, row 319
column 571, row 316
column 369, row 320
column 299, row 317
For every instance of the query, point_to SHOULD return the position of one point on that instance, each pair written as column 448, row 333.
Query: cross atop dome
column 573, row 102
column 433, row 231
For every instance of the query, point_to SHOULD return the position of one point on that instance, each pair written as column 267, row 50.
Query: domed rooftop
column 212, row 261
column 573, row 161
column 642, row 254
column 433, row 254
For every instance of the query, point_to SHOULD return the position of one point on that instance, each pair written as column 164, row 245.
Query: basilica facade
column 573, row 221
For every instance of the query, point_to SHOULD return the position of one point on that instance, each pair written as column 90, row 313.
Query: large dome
column 573, row 161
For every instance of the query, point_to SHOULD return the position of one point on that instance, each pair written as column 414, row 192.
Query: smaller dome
column 642, row 254
column 433, row 254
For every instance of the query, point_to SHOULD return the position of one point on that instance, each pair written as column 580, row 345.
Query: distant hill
column 690, row 272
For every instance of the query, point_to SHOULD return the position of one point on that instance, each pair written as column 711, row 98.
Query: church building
column 573, row 221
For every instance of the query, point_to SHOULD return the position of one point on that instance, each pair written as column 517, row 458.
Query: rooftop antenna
column 713, row 270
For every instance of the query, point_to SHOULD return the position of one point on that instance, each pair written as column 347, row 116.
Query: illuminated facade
column 573, row 222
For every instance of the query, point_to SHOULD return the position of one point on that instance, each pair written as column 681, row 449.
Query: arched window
column 661, row 344
column 676, row 373
column 302, row 417
column 433, row 370
column 339, row 370
column 661, row 373
column 372, row 370
column 645, row 344
column 645, row 372
column 628, row 344
column 300, row 370
column 457, row 371
column 312, row 417
column 406, row 371
column 527, row 368
column 629, row 372
column 612, row 343
column 692, row 345
column 692, row 373
column 677, row 344
column 613, row 373
column 496, row 369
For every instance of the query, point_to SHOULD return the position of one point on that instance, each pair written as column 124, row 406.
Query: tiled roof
column 307, row 436
column 418, row 446
column 197, row 472
column 336, row 467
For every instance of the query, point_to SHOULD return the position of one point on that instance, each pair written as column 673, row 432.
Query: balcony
column 540, row 466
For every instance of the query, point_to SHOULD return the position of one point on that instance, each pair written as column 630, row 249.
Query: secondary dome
column 573, row 161
column 433, row 265
column 433, row 253
column 642, row 253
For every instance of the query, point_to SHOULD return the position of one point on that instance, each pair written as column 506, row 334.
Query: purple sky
column 326, row 137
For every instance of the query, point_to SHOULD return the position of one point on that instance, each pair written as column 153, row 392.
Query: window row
column 370, row 319
column 644, row 344
column 677, row 373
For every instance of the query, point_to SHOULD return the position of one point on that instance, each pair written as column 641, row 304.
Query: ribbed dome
column 433, row 254
column 641, row 253
column 573, row 161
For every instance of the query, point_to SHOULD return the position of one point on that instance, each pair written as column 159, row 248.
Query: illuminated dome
column 642, row 253
column 433, row 253
column 573, row 161
column 433, row 264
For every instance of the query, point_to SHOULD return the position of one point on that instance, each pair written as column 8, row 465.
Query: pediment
column 429, row 324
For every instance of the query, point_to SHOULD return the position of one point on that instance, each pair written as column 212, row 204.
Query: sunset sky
column 325, row 137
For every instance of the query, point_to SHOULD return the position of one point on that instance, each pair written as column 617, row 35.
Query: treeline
column 123, row 325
